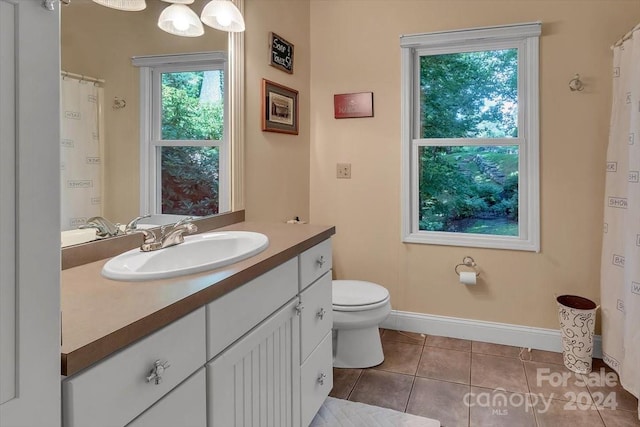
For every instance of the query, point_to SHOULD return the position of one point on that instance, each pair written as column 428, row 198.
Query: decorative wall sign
column 279, row 108
column 353, row 105
column 280, row 53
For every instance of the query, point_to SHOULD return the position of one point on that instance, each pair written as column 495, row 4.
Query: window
column 470, row 137
column 184, row 151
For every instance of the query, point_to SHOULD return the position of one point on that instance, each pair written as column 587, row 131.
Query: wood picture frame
column 280, row 53
column 279, row 108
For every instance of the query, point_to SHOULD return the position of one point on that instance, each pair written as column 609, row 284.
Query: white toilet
column 358, row 309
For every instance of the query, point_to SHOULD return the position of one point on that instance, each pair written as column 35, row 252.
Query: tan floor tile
column 384, row 389
column 399, row 357
column 343, row 382
column 449, row 343
column 556, row 382
column 563, row 414
column 495, row 349
column 440, row 400
column 500, row 409
column 543, row 357
column 607, row 392
column 498, row 372
column 406, row 337
column 619, row 418
column 447, row 365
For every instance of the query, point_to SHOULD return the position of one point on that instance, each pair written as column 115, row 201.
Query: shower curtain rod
column 82, row 77
column 626, row 36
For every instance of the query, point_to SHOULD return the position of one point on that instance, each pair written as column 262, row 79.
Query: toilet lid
column 357, row 292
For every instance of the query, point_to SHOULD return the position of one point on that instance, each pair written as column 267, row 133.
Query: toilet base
column 357, row 348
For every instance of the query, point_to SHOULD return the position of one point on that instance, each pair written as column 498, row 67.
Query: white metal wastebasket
column 577, row 317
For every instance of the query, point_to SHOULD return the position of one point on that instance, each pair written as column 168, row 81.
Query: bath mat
column 344, row 413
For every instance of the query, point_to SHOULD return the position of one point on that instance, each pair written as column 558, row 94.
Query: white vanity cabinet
column 258, row 355
column 121, row 387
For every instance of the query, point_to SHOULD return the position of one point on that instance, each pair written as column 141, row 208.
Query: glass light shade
column 223, row 15
column 179, row 1
column 179, row 20
column 128, row 5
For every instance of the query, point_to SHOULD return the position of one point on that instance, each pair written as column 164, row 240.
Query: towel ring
column 467, row 262
column 575, row 84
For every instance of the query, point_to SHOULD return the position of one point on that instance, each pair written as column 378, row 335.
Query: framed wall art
column 279, row 108
column 353, row 105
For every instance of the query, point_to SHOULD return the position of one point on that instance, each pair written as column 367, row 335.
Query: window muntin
column 470, row 156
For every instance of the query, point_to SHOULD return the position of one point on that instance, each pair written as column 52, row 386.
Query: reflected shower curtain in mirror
column 80, row 152
column 620, row 273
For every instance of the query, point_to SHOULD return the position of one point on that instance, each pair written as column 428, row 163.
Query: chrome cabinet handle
column 299, row 307
column 157, row 371
column 321, row 313
column 321, row 261
column 321, row 378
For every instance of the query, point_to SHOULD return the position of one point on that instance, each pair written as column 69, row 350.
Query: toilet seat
column 358, row 295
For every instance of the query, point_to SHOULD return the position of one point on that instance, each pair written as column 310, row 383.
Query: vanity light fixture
column 128, row 5
column 179, row 1
column 223, row 15
column 179, row 20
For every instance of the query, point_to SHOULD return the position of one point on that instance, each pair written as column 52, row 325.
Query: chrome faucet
column 104, row 227
column 174, row 236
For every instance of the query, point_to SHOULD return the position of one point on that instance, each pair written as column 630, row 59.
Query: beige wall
column 99, row 42
column 276, row 165
column 355, row 48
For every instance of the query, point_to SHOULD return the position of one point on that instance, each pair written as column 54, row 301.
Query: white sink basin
column 198, row 253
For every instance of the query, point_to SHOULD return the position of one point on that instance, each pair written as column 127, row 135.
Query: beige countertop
column 101, row 316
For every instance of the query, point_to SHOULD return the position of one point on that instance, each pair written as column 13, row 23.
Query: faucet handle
column 149, row 235
column 134, row 223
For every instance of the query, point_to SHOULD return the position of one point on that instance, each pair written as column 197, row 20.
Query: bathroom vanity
column 248, row 344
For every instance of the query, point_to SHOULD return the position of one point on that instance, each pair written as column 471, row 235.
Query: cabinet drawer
column 316, row 380
column 317, row 315
column 314, row 262
column 116, row 390
column 233, row 315
column 185, row 406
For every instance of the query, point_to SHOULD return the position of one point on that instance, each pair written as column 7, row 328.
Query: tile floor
column 434, row 377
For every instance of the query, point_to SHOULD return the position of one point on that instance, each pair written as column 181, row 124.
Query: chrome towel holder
column 467, row 262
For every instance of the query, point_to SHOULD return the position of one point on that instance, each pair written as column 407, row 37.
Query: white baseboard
column 479, row 330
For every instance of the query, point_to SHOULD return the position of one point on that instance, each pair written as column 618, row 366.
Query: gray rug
column 344, row 413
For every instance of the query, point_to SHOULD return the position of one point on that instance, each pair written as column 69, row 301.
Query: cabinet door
column 185, row 406
column 256, row 382
column 29, row 214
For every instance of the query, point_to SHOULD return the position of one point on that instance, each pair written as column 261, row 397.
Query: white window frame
column 151, row 69
column 524, row 37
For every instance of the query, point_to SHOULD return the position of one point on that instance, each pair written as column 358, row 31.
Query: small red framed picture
column 353, row 105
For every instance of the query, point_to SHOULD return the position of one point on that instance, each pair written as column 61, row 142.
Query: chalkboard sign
column 281, row 53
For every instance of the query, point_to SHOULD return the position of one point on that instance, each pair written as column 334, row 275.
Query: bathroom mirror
column 98, row 43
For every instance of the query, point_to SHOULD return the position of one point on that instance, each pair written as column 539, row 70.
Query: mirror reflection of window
column 192, row 110
column 187, row 139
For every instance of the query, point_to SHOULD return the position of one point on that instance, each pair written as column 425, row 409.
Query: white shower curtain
column 80, row 152
column 620, row 277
